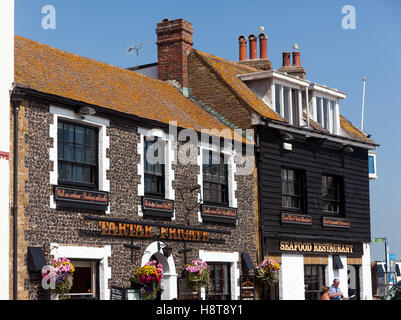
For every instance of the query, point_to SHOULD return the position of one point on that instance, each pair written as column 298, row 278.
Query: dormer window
column 326, row 113
column 287, row 102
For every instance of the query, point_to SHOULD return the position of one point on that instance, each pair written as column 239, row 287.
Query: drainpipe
column 16, row 99
column 259, row 170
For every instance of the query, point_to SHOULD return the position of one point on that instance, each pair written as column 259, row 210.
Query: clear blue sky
column 331, row 55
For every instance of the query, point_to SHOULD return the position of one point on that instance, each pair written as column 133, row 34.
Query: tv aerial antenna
column 136, row 48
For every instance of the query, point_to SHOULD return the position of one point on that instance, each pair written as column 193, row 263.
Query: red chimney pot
column 296, row 58
column 286, row 59
column 242, row 48
column 253, row 51
column 263, row 46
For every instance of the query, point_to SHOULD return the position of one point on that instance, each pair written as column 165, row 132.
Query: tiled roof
column 56, row 72
column 352, row 131
column 228, row 71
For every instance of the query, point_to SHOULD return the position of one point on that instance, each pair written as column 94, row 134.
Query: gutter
column 321, row 135
column 16, row 99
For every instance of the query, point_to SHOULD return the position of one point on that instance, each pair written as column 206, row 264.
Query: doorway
column 314, row 280
column 169, row 282
column 354, row 285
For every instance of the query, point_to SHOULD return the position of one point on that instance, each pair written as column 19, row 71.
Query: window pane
column 318, row 110
column 68, row 152
column 295, row 106
column 59, row 149
column 326, row 121
column 79, row 135
column 79, row 153
column 68, row 132
column 60, row 131
column 65, row 172
column 90, row 155
column 90, row 137
column 278, row 98
column 77, row 173
column 88, row 175
column 287, row 106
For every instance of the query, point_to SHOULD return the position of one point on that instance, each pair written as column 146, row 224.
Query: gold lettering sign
column 158, row 204
column 68, row 194
column 219, row 211
column 315, row 247
column 131, row 230
column 296, row 218
column 336, row 222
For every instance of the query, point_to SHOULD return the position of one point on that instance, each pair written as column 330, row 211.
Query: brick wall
column 212, row 91
column 174, row 43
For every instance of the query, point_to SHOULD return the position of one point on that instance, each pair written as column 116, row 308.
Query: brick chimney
column 263, row 61
column 174, row 43
column 296, row 69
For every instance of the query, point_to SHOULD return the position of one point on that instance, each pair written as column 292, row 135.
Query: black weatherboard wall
column 315, row 157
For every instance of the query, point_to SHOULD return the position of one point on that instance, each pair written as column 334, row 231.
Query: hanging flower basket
column 197, row 274
column 268, row 272
column 148, row 279
column 59, row 277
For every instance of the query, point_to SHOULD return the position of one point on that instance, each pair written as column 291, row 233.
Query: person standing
column 335, row 291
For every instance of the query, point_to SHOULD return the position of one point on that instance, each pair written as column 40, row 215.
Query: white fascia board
column 275, row 75
column 326, row 90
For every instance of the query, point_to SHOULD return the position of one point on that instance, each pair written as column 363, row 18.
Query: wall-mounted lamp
column 348, row 149
column 287, row 137
column 86, row 111
column 167, row 250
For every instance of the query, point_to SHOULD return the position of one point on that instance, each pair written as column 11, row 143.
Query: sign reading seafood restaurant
column 314, row 247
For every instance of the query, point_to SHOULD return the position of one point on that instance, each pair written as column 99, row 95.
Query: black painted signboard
column 117, row 293
column 157, row 207
column 218, row 214
column 80, row 198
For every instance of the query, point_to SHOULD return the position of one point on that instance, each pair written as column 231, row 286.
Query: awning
column 337, row 264
column 247, row 263
column 36, row 259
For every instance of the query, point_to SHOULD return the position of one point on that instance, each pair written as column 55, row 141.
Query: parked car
column 394, row 293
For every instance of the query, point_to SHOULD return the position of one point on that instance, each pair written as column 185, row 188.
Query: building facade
column 88, row 191
column 313, row 164
column 6, row 81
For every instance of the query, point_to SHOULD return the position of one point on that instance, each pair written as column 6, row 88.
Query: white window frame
column 169, row 192
column 282, row 113
column 224, row 257
column 232, row 169
column 102, row 254
column 372, row 154
column 86, row 264
column 103, row 144
column 334, row 118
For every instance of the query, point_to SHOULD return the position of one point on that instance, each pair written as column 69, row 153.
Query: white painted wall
column 6, row 81
column 292, row 286
column 365, row 274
